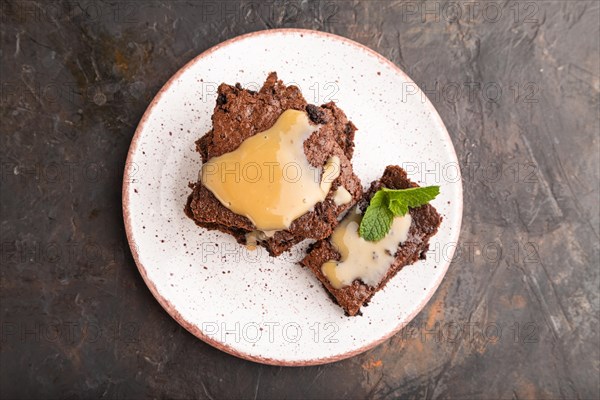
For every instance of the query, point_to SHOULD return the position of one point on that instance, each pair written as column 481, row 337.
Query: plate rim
column 168, row 306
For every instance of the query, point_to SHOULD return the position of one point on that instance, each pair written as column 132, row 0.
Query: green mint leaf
column 401, row 200
column 379, row 199
column 397, row 207
column 389, row 203
column 376, row 222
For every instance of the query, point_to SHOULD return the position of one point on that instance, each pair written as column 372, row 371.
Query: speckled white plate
column 266, row 309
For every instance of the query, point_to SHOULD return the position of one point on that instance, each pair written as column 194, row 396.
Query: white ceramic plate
column 265, row 309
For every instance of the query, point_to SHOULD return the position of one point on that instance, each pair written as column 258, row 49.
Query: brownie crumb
column 315, row 114
column 221, row 99
column 349, row 129
column 423, row 255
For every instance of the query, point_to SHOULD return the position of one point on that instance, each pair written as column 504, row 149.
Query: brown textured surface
column 66, row 261
column 425, row 223
column 240, row 114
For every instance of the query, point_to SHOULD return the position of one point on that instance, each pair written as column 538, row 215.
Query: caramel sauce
column 268, row 178
column 361, row 259
column 341, row 196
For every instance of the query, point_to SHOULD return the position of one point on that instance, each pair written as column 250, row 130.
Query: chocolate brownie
column 241, row 113
column 425, row 223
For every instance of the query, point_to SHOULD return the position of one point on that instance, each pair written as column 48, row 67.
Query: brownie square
column 241, row 113
column 425, row 223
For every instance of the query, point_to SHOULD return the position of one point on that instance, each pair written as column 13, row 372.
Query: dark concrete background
column 517, row 315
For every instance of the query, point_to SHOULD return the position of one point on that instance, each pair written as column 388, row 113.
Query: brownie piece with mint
column 425, row 223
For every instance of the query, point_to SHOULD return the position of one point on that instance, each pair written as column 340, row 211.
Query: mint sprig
column 389, row 203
